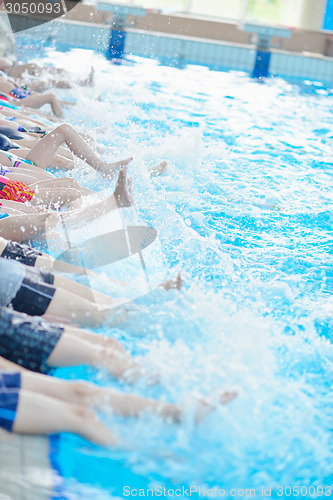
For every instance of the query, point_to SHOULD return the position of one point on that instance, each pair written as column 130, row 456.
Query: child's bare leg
column 64, row 151
column 86, row 394
column 29, row 176
column 18, row 70
column 176, row 282
column 43, row 175
column 157, row 169
column 25, row 143
column 22, row 228
column 108, row 343
column 59, row 182
column 40, row 414
column 61, row 162
column 89, row 81
column 48, row 263
column 33, row 111
column 70, row 307
column 58, row 192
column 37, row 86
column 22, row 177
column 122, row 197
column 5, row 87
column 22, row 117
column 56, row 197
column 38, row 100
column 57, row 161
column 79, row 347
column 56, row 182
column 130, row 405
column 84, row 291
column 43, row 152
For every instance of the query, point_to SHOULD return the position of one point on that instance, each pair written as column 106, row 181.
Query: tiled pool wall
column 178, row 49
column 300, row 66
column 25, row 471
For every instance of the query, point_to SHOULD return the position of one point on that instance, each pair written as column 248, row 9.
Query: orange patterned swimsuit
column 14, row 190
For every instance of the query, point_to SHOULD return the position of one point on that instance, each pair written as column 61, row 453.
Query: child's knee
column 82, row 415
column 73, row 194
column 79, row 391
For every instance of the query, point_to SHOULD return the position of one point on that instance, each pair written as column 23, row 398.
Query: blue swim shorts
column 27, row 341
column 35, row 293
column 24, row 254
column 10, row 383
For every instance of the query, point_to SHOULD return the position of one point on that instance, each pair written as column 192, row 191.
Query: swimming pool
column 246, row 210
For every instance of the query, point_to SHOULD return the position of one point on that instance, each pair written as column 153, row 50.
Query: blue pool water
column 247, row 211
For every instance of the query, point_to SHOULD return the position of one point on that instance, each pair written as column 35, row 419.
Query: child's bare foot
column 112, row 168
column 122, row 366
column 90, row 80
column 156, row 170
column 121, row 163
column 207, row 405
column 123, row 191
column 67, row 103
column 227, row 397
column 204, row 406
column 176, row 282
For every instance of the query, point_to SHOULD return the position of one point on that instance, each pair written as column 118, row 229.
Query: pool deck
column 180, row 39
column 25, row 471
column 181, row 24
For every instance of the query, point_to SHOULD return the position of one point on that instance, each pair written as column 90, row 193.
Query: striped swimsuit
column 16, row 161
column 14, row 190
column 18, row 93
column 5, row 102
